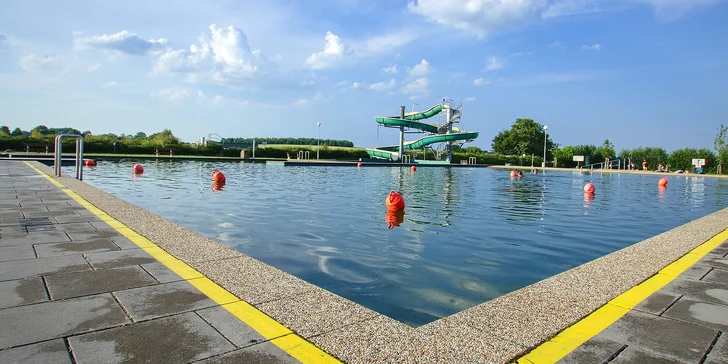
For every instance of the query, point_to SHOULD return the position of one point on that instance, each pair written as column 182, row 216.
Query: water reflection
column 394, row 218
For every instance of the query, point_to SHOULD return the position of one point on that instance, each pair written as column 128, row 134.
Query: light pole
column 318, row 140
column 543, row 164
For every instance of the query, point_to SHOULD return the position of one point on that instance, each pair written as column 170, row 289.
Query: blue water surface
column 469, row 234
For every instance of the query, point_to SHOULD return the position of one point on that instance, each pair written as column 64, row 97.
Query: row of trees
column 526, row 136
column 290, row 141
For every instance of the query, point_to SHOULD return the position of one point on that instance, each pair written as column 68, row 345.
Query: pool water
column 468, row 235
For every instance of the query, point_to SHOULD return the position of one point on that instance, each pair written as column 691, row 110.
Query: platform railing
column 304, row 155
column 472, row 160
column 58, row 153
column 406, row 158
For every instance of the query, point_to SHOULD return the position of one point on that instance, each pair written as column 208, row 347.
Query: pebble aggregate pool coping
column 500, row 330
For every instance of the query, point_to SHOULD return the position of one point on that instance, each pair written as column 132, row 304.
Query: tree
column 40, row 130
column 4, row 130
column 683, row 159
column 525, row 137
column 140, row 135
column 17, row 132
column 607, row 149
column 564, row 156
column 721, row 147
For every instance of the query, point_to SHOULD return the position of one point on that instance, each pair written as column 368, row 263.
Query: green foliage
column 494, row 158
column 4, row 130
column 289, row 141
column 683, row 159
column 721, row 145
column 525, row 137
column 654, row 156
column 17, row 132
column 607, row 149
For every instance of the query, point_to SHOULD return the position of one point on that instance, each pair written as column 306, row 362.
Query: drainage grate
column 33, row 224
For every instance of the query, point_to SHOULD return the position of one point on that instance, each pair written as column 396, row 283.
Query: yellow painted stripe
column 266, row 326
column 571, row 338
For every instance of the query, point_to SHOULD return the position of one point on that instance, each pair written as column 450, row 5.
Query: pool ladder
column 58, row 153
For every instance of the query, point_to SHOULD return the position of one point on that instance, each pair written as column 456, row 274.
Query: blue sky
column 639, row 72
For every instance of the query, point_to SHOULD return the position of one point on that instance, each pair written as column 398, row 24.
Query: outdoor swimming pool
column 469, row 234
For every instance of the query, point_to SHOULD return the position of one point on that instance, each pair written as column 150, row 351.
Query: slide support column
column 401, row 136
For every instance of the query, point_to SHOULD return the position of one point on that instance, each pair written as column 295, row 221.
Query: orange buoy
column 218, row 177
column 217, row 186
column 89, row 163
column 662, row 182
column 394, row 201
column 394, row 218
column 137, row 168
column 358, row 165
column 589, row 188
column 413, row 168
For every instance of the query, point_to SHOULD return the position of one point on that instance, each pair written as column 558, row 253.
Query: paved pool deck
column 87, row 277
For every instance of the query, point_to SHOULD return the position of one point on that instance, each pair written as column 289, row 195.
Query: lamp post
column 318, row 140
column 543, row 164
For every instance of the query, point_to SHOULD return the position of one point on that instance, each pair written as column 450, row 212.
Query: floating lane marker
column 266, row 326
column 574, row 336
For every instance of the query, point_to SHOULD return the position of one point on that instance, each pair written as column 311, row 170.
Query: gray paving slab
column 657, row 303
column 265, row 353
column 123, row 242
column 719, row 353
column 701, row 290
column 595, row 350
column 161, row 273
column 176, row 339
column 20, row 238
column 47, row 213
column 44, row 321
column 717, row 276
column 20, row 269
column 22, row 292
column 100, row 225
column 75, row 227
column 162, row 300
column 63, row 286
column 695, row 272
column 16, row 252
column 98, row 234
column 670, row 338
column 76, row 218
column 119, row 258
column 715, row 261
column 53, row 351
column 240, row 334
column 633, row 355
column 702, row 313
column 75, row 247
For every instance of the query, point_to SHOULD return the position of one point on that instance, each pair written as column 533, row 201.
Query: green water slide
column 390, row 152
column 410, row 119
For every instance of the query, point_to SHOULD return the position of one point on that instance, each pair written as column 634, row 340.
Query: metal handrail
column 472, row 160
column 58, row 152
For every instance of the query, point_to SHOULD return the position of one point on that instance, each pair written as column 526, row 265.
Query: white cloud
column 492, row 64
column 383, row 86
column 570, row 7
column 334, row 51
column 223, row 56
column 386, row 42
column 421, row 69
column 172, row 94
column 317, row 98
column 521, row 54
column 35, row 64
column 390, row 69
column 4, row 41
column 94, row 67
column 556, row 45
column 121, row 42
column 418, row 88
column 109, row 84
column 469, row 99
column 593, row 47
column 480, row 81
column 669, row 10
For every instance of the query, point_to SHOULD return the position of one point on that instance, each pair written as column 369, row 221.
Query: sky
column 638, row 72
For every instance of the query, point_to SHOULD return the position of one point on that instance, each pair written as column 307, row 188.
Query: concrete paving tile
column 76, row 227
column 595, row 350
column 22, row 292
column 252, row 280
column 237, row 332
column 63, row 286
column 44, row 321
column 265, row 353
column 161, row 273
column 16, row 252
column 75, row 247
column 634, row 355
column 315, row 312
column 119, row 258
column 673, row 339
column 91, row 235
column 100, row 225
column 20, row 238
column 177, row 339
column 162, row 299
column 64, row 219
column 701, row 313
column 124, row 243
column 701, row 290
column 719, row 353
column 53, row 351
column 20, row 269
column 29, row 214
column 657, row 303
column 714, row 261
column 695, row 272
column 717, row 276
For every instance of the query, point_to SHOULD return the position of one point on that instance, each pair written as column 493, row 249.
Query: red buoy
column 358, row 165
column 89, row 163
column 394, row 218
column 413, row 168
column 218, row 177
column 394, row 201
column 662, row 182
column 137, row 168
column 589, row 188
